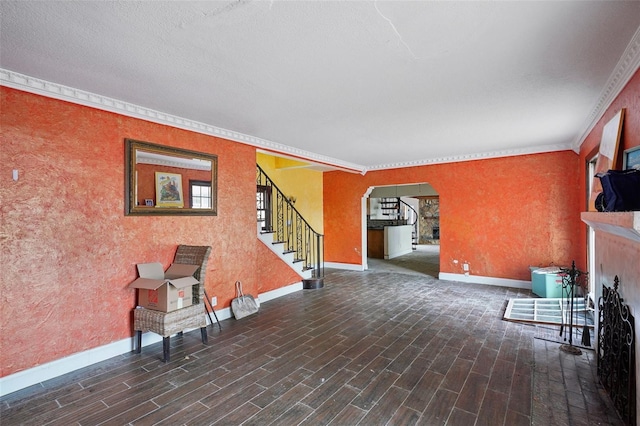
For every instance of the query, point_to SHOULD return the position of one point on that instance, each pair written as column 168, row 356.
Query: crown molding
column 622, row 73
column 58, row 91
column 625, row 69
column 143, row 157
column 475, row 156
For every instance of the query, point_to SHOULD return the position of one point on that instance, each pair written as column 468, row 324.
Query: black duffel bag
column 620, row 191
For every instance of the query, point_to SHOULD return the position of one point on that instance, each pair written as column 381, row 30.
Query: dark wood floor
column 371, row 348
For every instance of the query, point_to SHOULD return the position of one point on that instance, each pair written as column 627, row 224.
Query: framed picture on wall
column 631, row 158
column 607, row 153
column 169, row 190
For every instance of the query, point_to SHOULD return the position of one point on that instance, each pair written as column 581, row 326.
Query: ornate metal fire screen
column 616, row 354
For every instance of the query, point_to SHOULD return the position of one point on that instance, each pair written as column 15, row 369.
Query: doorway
column 415, row 206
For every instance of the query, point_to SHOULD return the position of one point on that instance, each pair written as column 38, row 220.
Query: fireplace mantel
column 622, row 224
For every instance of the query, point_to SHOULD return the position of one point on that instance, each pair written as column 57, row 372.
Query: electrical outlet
column 465, row 267
column 214, row 301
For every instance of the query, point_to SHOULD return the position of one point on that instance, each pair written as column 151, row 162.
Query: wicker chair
column 169, row 323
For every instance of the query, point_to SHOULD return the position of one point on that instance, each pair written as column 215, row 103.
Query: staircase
column 283, row 229
column 412, row 219
column 390, row 206
column 398, row 210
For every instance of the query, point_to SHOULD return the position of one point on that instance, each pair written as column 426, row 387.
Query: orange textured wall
column 629, row 99
column 498, row 215
column 68, row 250
column 271, row 271
column 147, row 181
column 616, row 256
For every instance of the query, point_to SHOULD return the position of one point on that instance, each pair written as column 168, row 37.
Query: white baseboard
column 279, row 292
column 347, row 266
column 23, row 379
column 50, row 370
column 477, row 279
column 398, row 254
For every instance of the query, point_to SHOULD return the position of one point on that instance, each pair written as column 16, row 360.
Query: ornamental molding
column 58, row 91
column 624, row 70
column 622, row 73
column 143, row 157
column 473, row 157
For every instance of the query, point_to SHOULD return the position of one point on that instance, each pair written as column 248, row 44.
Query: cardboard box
column 165, row 291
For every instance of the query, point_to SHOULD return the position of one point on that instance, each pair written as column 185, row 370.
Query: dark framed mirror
column 162, row 180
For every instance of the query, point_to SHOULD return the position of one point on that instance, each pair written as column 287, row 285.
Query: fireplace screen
column 616, row 354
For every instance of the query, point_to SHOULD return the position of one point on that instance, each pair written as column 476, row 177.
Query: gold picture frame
column 169, row 192
column 143, row 159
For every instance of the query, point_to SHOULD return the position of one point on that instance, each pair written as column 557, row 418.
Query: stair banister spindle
column 280, row 215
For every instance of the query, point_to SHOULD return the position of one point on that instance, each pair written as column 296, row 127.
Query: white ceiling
column 363, row 85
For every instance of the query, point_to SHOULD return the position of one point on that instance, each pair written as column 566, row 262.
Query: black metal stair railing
column 414, row 224
column 393, row 207
column 277, row 215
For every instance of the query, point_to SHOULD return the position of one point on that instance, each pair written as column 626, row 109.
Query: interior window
column 263, row 205
column 199, row 194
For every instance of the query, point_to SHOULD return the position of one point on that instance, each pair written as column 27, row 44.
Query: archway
column 384, row 206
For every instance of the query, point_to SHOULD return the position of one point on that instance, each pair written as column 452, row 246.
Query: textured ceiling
column 363, row 84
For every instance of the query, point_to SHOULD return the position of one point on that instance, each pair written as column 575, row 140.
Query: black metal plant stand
column 572, row 278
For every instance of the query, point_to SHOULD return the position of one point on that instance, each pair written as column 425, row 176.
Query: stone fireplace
column 429, row 220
